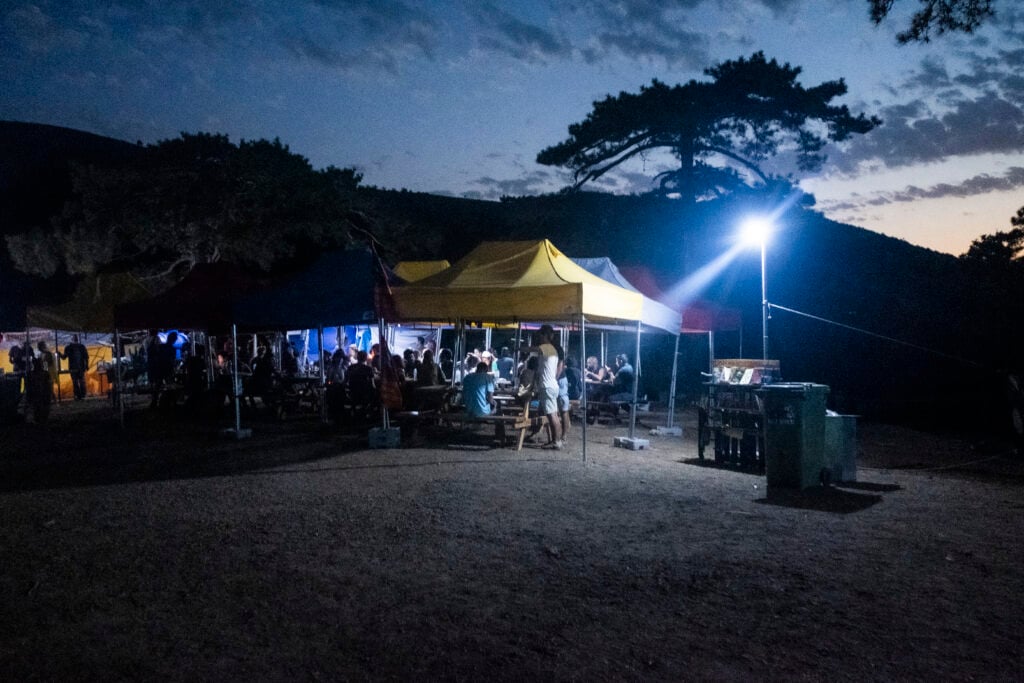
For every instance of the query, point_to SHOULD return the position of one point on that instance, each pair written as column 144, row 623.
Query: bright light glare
column 755, row 231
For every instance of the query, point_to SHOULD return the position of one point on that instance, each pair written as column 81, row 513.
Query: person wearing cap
column 487, row 356
column 549, row 367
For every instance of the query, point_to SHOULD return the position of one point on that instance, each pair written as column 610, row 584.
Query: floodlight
column 755, row 231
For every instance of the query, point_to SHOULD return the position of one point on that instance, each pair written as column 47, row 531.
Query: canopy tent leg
column 711, row 351
column 636, row 384
column 518, row 353
column 323, row 375
column 117, row 388
column 237, row 432
column 56, row 359
column 583, row 393
column 672, row 384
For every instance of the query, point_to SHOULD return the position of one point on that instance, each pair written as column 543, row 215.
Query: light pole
column 756, row 231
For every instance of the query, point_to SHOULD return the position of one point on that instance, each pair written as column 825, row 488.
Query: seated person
column 429, row 373
column 505, row 365
column 622, row 385
column 595, row 372
column 573, row 378
column 478, row 391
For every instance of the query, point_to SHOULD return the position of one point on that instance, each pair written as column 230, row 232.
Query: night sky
column 458, row 97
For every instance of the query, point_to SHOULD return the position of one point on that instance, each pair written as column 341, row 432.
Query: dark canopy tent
column 345, row 286
column 203, row 300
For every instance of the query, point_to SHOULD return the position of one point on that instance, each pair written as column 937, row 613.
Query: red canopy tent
column 699, row 316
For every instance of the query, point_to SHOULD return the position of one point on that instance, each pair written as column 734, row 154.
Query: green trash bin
column 794, row 417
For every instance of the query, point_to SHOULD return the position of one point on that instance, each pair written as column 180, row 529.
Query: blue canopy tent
column 341, row 288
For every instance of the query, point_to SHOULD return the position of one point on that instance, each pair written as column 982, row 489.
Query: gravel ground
column 160, row 551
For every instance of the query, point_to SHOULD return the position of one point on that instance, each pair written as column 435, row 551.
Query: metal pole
column 583, row 394
column 117, row 388
column 234, row 380
column 764, row 307
column 672, row 384
column 636, row 383
column 323, row 375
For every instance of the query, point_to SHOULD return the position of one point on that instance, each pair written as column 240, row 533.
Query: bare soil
column 162, row 551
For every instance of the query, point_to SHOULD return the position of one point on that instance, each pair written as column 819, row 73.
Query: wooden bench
column 517, row 421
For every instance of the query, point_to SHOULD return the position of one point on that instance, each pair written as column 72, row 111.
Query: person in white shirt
column 545, row 384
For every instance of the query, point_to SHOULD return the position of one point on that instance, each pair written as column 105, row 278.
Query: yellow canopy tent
column 411, row 271
column 526, row 281
column 516, row 281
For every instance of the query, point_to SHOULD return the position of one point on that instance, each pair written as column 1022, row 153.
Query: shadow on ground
column 821, row 499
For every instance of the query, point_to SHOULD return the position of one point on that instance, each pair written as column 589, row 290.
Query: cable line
column 881, row 336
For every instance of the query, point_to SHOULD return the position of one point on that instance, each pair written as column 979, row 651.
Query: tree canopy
column 753, row 109
column 1000, row 249
column 193, row 199
column 940, row 16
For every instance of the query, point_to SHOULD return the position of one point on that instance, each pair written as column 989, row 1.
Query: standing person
column 563, row 401
column 549, row 366
column 163, row 366
column 48, row 362
column 19, row 361
column 77, row 357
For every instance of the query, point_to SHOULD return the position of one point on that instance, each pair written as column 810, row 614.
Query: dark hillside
column 35, row 182
column 35, row 160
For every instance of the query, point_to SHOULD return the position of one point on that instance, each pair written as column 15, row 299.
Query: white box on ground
column 631, row 443
column 385, row 438
column 667, row 431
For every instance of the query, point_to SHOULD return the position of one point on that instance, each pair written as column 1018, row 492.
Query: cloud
column 643, row 29
column 505, row 33
column 979, row 184
column 983, row 183
column 532, row 183
column 912, row 133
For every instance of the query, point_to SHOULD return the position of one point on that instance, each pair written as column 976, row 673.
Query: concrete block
column 385, row 438
column 667, row 431
column 632, row 444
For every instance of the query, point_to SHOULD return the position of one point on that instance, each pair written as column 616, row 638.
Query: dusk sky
column 459, row 97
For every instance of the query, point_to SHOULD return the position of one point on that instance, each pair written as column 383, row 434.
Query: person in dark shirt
column 362, row 391
column 77, row 357
column 506, row 366
column 622, row 385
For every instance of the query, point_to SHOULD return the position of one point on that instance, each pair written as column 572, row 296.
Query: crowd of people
column 38, row 371
column 543, row 375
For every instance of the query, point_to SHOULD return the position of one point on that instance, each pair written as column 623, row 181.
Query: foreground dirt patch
column 161, row 551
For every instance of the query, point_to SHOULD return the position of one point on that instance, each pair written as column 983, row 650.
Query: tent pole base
column 236, row 434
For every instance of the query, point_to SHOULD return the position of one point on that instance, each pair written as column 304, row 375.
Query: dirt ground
column 163, row 551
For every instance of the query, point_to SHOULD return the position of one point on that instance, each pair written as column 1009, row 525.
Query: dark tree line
column 194, row 199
